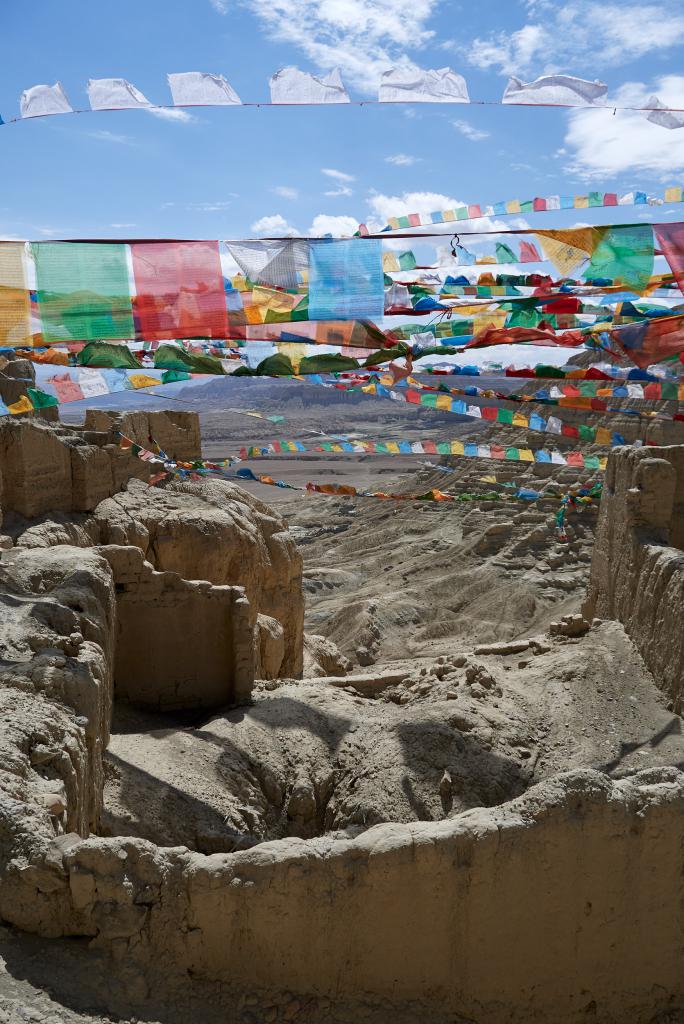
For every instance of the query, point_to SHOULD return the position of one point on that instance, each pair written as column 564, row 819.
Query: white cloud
column 600, row 143
column 285, row 192
column 382, row 207
column 474, row 134
column 579, row 35
column 402, row 160
column 323, row 224
column 209, row 207
column 337, row 175
column 362, row 37
column 171, row 114
column 274, row 224
column 220, row 6
column 106, row 136
column 510, row 52
column 121, row 226
column 336, row 193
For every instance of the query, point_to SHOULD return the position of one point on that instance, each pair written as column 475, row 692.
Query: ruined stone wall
column 179, row 643
column 178, row 433
column 46, row 468
column 522, row 913
column 637, row 571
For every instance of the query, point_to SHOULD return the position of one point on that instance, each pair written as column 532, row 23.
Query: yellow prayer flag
column 23, row 405
column 141, row 380
column 581, row 202
column 457, row 448
column 520, row 421
column 449, row 214
column 487, row 479
column 15, row 309
column 602, row 436
column 513, row 206
column 443, row 402
column 673, row 195
column 390, row 263
column 526, row 455
column 603, row 463
column 392, row 446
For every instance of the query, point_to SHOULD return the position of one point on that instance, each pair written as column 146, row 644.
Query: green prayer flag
column 277, row 365
column 327, row 362
column 83, row 291
column 172, row 376
column 171, row 357
column 407, row 261
column 108, row 356
column 504, row 254
column 40, row 399
column 623, row 254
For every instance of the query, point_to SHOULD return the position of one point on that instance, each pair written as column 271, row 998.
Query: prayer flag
column 180, row 291
column 414, row 85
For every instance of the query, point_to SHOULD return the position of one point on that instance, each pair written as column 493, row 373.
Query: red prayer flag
column 538, row 205
column 671, row 240
column 180, row 291
column 529, row 253
column 575, row 459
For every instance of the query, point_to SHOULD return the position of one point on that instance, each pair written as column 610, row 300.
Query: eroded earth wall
column 637, row 571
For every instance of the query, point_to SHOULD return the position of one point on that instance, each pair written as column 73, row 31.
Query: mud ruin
column 563, row 903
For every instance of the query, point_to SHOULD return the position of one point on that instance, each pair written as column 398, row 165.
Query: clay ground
column 425, row 723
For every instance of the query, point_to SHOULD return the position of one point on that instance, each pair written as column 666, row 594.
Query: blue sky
column 218, row 173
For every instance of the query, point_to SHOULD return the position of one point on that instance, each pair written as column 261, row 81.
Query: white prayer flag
column 290, row 85
column 554, row 425
column 92, row 383
column 114, row 94
column 555, row 89
column 401, row 85
column 41, row 100
column 557, row 459
column 662, row 117
column 198, row 89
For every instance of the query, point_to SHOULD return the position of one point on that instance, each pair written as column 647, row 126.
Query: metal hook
column 455, row 241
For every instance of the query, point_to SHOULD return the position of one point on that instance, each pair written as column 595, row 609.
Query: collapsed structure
column 178, row 599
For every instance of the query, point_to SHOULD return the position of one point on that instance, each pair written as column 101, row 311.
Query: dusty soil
column 424, row 725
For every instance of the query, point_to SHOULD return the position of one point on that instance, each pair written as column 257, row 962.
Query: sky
column 240, row 172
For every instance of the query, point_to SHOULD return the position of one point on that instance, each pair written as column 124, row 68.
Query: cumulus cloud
column 579, row 35
column 382, row 207
column 274, row 224
column 402, row 160
column 474, row 134
column 362, row 37
column 600, row 144
column 324, row 224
